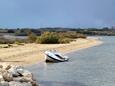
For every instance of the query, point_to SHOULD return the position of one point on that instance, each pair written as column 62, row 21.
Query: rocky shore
column 11, row 75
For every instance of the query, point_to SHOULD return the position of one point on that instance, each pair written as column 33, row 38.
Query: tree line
column 38, row 31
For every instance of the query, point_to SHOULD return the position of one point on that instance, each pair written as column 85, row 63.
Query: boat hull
column 55, row 57
column 51, row 59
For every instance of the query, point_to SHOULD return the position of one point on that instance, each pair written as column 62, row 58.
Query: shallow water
column 89, row 67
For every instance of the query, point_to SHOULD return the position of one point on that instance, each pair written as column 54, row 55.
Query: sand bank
column 33, row 53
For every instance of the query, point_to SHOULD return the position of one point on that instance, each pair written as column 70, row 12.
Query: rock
column 22, row 79
column 25, row 79
column 13, row 83
column 6, row 66
column 1, row 66
column 1, row 78
column 26, row 73
column 18, row 79
column 15, row 76
column 7, row 76
column 4, row 83
column 20, row 70
column 34, row 83
column 13, row 71
column 2, row 71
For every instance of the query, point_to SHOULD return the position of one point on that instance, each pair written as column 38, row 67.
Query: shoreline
column 34, row 53
column 97, row 42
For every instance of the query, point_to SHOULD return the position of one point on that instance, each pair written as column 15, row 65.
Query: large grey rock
column 7, row 76
column 2, row 71
column 4, row 83
column 15, row 76
column 13, row 71
column 22, row 79
column 25, row 73
column 1, row 66
column 6, row 66
column 13, row 83
column 1, row 78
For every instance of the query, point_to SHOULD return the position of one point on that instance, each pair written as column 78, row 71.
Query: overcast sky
column 57, row 13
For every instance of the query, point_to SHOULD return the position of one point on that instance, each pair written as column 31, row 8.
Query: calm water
column 90, row 67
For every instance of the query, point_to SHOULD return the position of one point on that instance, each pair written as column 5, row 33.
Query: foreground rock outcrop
column 11, row 75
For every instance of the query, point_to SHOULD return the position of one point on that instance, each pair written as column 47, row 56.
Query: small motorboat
column 54, row 56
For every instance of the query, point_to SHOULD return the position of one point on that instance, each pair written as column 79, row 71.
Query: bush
column 65, row 40
column 54, row 37
column 19, row 42
column 32, row 37
column 48, row 38
column 81, row 36
column 6, row 41
column 71, row 34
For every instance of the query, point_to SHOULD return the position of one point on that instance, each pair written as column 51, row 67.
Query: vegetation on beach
column 51, row 35
column 45, row 37
column 54, row 37
column 48, row 38
column 38, row 31
column 32, row 37
column 6, row 41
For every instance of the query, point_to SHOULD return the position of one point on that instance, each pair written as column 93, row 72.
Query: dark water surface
column 89, row 67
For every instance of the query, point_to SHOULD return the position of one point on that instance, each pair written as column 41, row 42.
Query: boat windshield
column 59, row 56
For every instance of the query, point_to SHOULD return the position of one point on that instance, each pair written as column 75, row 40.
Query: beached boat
column 54, row 56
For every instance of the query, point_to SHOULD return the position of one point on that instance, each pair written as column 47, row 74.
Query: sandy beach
column 34, row 53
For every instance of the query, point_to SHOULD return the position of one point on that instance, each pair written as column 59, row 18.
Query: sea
column 93, row 66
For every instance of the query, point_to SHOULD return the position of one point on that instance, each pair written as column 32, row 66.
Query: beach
column 28, row 54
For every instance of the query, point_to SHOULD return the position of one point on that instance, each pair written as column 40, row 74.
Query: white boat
column 54, row 56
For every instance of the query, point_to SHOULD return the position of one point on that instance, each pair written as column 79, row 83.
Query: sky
column 57, row 13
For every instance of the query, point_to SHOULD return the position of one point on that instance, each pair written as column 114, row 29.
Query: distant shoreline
column 95, row 41
column 34, row 53
column 91, row 42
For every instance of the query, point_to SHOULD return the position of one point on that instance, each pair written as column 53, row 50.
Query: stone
column 13, row 71
column 20, row 71
column 6, row 66
column 15, row 76
column 7, row 76
column 22, row 79
column 13, row 83
column 18, row 79
column 27, row 74
column 34, row 83
column 1, row 66
column 4, row 83
column 1, row 78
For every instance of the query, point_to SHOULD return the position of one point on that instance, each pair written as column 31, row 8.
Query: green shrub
column 81, row 36
column 18, row 42
column 65, row 40
column 48, row 38
column 6, row 41
column 71, row 34
column 6, row 46
column 32, row 37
